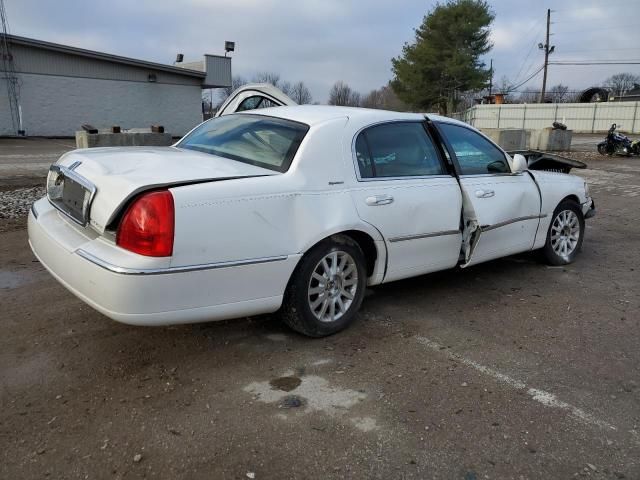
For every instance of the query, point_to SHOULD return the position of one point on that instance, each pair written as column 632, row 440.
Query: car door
column 404, row 191
column 505, row 205
column 253, row 96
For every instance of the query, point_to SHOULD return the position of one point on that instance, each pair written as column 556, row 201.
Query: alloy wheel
column 333, row 286
column 565, row 233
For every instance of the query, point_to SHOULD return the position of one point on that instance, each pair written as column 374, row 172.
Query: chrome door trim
column 169, row 270
column 423, row 235
column 487, row 228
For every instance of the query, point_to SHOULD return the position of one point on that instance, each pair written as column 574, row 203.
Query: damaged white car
column 294, row 208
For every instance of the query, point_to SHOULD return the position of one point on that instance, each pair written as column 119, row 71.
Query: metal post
column 524, row 115
column 593, row 123
column 499, row 112
column 555, row 115
column 635, row 114
column 546, row 58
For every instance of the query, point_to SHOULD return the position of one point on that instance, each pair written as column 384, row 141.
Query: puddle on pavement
column 315, row 392
column 292, row 401
column 286, row 384
column 11, row 279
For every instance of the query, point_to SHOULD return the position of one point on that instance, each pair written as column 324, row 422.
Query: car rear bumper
column 153, row 294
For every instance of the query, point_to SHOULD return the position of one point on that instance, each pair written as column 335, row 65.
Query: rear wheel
column 565, row 235
column 327, row 288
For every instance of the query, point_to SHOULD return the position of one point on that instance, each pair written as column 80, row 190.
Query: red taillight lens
column 148, row 224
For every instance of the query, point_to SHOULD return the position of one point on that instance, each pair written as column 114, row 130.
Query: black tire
column 602, row 148
column 551, row 254
column 296, row 309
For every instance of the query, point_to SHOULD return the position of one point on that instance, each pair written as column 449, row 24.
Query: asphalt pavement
column 509, row 369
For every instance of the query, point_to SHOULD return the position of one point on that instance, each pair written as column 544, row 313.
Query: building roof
column 30, row 42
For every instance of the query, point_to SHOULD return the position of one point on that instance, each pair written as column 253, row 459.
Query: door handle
column 485, row 193
column 379, row 200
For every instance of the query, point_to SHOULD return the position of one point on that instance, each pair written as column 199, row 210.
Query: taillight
column 148, row 224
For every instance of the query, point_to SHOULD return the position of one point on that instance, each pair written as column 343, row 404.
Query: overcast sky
column 321, row 41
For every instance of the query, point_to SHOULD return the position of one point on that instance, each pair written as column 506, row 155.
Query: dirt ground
column 509, row 369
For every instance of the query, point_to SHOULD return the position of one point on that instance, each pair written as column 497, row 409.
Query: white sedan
column 293, row 208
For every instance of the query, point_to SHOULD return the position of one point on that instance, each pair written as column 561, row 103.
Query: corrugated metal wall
column 218, row 71
column 57, row 106
column 47, row 62
column 579, row 117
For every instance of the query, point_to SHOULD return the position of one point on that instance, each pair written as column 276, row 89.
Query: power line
column 533, row 46
column 529, row 78
column 600, row 50
column 597, row 62
column 596, row 29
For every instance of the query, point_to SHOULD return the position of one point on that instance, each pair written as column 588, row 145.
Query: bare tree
column 342, row 94
column 285, row 87
column 621, row 83
column 529, row 97
column 504, row 85
column 267, row 77
column 391, row 101
column 300, row 93
column 236, row 82
column 558, row 93
column 374, row 99
column 383, row 98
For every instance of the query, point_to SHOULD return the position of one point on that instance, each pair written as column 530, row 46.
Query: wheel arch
column 371, row 243
column 572, row 197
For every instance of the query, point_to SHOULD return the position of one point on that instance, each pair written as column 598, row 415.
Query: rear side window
column 476, row 155
column 263, row 141
column 399, row 149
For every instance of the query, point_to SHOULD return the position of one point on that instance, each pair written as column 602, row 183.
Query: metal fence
column 579, row 117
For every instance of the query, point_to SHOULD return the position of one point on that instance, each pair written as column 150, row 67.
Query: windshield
column 266, row 142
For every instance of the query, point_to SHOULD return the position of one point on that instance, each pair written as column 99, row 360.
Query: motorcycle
column 618, row 144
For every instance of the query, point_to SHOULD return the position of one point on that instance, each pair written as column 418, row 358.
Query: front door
column 505, row 205
column 404, row 191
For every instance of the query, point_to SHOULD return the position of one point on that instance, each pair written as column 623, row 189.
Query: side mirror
column 519, row 163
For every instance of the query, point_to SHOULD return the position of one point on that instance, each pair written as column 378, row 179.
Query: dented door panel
column 508, row 219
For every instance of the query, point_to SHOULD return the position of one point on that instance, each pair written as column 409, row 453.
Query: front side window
column 266, row 142
column 399, row 149
column 476, row 155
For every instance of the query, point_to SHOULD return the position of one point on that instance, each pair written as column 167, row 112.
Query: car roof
column 316, row 114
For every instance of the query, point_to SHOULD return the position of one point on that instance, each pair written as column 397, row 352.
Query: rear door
column 505, row 205
column 404, row 191
column 253, row 96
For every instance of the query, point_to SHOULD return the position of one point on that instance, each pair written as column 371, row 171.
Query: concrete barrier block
column 129, row 139
column 549, row 139
column 507, row 138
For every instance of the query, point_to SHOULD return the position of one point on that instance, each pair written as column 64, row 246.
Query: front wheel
column 326, row 289
column 565, row 235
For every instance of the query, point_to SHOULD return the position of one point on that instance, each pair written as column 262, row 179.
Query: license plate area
column 70, row 193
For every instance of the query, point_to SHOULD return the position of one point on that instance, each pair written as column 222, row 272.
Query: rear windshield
column 266, row 142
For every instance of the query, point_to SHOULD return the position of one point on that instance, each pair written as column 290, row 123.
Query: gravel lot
column 15, row 203
column 509, row 369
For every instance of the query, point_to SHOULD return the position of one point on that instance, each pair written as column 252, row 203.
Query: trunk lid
column 120, row 173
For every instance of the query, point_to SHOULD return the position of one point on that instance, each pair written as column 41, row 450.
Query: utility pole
column 490, row 78
column 547, row 50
